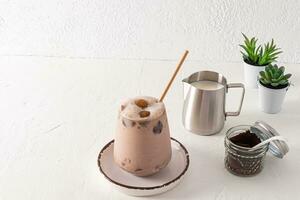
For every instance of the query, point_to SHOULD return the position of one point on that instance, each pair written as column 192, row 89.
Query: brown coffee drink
column 142, row 141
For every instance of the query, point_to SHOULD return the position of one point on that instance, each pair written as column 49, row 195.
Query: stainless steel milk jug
column 204, row 110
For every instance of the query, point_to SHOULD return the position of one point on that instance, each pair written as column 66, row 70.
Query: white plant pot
column 251, row 73
column 271, row 99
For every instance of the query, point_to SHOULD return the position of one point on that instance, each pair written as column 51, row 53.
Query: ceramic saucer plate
column 163, row 181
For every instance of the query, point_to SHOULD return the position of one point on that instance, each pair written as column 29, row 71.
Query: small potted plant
column 256, row 58
column 272, row 87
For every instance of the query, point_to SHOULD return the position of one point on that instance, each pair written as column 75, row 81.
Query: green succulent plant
column 274, row 76
column 259, row 55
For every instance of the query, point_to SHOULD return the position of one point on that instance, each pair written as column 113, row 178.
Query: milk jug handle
column 236, row 85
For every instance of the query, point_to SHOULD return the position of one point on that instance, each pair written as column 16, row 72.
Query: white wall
column 136, row 29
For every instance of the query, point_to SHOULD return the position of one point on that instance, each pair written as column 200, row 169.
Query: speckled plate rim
column 145, row 188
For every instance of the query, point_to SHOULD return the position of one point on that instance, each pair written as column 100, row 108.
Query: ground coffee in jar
column 240, row 158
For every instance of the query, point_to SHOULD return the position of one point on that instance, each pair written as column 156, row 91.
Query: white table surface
column 57, row 113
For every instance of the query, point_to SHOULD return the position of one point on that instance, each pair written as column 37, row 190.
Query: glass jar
column 243, row 161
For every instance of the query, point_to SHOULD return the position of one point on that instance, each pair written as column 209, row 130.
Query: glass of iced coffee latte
column 142, row 141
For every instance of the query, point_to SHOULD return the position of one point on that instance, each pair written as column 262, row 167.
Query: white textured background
column 155, row 30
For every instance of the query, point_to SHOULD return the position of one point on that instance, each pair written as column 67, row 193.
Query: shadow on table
column 210, row 180
column 205, row 176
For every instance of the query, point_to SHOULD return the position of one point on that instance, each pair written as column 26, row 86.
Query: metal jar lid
column 264, row 131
